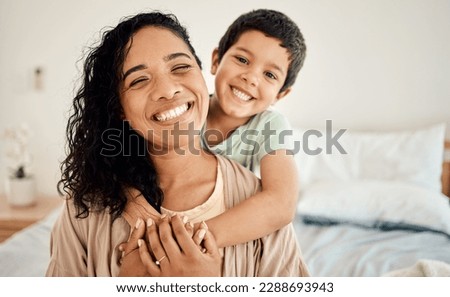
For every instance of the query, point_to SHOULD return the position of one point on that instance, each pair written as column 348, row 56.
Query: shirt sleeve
column 68, row 253
column 275, row 134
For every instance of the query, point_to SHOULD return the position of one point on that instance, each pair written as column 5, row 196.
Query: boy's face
column 250, row 74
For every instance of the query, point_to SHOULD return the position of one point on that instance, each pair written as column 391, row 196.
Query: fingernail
column 204, row 225
column 139, row 242
column 191, row 225
column 173, row 214
column 201, row 233
column 120, row 248
column 185, row 219
column 149, row 222
column 138, row 223
column 163, row 216
column 203, row 250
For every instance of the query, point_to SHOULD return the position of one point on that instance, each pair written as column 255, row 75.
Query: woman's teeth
column 171, row 114
column 241, row 95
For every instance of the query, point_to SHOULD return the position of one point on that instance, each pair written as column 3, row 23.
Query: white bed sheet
column 339, row 250
column 27, row 252
column 349, row 250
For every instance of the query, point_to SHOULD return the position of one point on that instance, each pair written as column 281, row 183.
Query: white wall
column 371, row 64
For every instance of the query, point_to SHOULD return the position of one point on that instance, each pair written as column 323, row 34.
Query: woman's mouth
column 172, row 113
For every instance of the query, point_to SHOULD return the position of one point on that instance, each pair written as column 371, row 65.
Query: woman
column 134, row 140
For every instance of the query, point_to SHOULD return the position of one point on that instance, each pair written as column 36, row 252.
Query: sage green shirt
column 248, row 144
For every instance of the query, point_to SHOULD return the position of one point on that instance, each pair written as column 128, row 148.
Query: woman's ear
column 214, row 61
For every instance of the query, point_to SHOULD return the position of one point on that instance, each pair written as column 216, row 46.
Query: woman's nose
column 165, row 88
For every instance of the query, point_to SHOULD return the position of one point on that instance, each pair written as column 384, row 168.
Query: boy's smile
column 241, row 95
column 250, row 75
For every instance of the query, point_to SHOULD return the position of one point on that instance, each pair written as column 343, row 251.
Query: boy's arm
column 266, row 211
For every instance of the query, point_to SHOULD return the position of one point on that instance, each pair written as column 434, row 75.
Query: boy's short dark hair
column 275, row 24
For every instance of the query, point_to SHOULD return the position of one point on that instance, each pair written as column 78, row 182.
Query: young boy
column 255, row 65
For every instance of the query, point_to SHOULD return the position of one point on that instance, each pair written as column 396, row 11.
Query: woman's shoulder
column 93, row 216
column 238, row 180
column 100, row 222
column 234, row 168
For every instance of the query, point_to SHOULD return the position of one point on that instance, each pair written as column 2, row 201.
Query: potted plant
column 20, row 187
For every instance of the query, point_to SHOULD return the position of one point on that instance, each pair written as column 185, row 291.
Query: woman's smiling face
column 163, row 92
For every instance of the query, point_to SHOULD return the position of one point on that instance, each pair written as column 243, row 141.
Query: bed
column 378, row 210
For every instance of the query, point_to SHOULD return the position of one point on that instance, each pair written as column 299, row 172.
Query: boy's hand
column 197, row 238
column 136, row 233
column 130, row 263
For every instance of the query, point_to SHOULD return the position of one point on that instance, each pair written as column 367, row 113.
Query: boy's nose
column 165, row 88
column 250, row 77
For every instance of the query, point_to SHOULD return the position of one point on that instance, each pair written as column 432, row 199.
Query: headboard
column 446, row 170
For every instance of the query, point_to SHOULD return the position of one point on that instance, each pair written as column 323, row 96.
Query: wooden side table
column 13, row 219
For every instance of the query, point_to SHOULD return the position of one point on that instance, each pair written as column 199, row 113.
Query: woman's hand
column 175, row 253
column 186, row 257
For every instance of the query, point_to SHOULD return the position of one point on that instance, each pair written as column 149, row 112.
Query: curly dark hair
column 95, row 173
column 275, row 24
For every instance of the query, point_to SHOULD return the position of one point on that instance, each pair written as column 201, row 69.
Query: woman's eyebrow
column 166, row 59
column 134, row 69
column 176, row 55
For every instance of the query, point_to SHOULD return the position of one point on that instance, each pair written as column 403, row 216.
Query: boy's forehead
column 250, row 35
column 258, row 42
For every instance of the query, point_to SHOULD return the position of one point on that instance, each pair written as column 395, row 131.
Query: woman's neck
column 179, row 173
column 176, row 163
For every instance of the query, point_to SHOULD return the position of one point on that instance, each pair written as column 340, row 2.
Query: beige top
column 89, row 247
column 212, row 207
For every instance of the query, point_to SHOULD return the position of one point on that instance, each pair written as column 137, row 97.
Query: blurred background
column 372, row 65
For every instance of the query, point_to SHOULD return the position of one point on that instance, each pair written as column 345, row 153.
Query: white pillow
column 373, row 201
column 414, row 156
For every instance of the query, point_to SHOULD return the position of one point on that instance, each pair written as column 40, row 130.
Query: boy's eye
column 242, row 60
column 271, row 75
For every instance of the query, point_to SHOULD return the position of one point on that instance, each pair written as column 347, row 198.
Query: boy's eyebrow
column 271, row 64
column 166, row 59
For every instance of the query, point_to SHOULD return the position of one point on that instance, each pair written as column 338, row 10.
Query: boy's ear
column 214, row 61
column 283, row 94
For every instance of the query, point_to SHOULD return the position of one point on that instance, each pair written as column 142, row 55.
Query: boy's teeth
column 170, row 114
column 241, row 95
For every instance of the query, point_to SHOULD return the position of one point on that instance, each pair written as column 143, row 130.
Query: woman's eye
column 242, row 60
column 271, row 75
column 137, row 81
column 181, row 68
